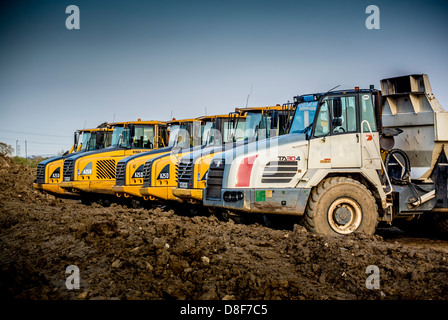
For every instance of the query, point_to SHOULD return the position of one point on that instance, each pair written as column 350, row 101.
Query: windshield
column 86, row 141
column 174, row 131
column 184, row 137
column 239, row 133
column 189, row 134
column 215, row 138
column 252, row 125
column 206, row 132
column 120, row 137
column 304, row 117
column 107, row 138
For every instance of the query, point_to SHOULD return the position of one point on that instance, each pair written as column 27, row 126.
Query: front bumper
column 54, row 189
column 195, row 194
column 103, row 187
column 127, row 191
column 163, row 193
column 291, row 201
column 74, row 185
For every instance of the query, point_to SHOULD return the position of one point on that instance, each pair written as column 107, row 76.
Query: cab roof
column 316, row 96
column 145, row 122
column 243, row 111
column 208, row 118
column 94, row 129
column 182, row 120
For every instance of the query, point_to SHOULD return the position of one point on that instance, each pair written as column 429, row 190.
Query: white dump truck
column 352, row 158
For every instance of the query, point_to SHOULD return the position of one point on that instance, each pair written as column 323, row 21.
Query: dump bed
column 410, row 105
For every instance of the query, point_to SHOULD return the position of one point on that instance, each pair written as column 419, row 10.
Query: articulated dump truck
column 184, row 134
column 92, row 174
column 351, row 159
column 49, row 171
column 260, row 123
column 159, row 173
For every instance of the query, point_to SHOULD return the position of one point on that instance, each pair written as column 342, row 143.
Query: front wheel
column 340, row 206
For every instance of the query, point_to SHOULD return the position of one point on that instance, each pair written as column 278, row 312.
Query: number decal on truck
column 288, row 158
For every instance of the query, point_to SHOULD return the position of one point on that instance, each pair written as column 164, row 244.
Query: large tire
column 441, row 223
column 340, row 206
column 418, row 226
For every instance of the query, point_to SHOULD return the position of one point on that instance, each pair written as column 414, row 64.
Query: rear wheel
column 441, row 223
column 340, row 206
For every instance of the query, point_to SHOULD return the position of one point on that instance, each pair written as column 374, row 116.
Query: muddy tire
column 420, row 225
column 340, row 206
column 441, row 223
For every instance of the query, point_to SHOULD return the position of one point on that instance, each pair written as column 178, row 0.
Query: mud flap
column 440, row 177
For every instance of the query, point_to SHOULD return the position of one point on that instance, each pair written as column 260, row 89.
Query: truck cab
column 331, row 133
column 92, row 174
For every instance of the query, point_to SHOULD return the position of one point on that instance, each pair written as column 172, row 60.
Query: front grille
column 147, row 174
column 105, row 169
column 68, row 170
column 185, row 174
column 40, row 175
column 214, row 180
column 279, row 171
column 120, row 174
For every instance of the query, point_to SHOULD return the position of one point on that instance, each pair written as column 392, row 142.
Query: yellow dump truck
column 92, row 174
column 261, row 123
column 159, row 173
column 49, row 171
column 184, row 134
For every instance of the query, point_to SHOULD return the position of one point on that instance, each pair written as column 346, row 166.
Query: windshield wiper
column 306, row 129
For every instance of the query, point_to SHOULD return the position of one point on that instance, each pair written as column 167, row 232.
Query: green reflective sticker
column 260, row 195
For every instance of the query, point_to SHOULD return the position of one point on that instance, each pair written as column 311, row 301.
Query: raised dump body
column 410, row 105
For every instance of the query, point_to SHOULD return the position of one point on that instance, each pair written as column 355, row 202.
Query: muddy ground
column 138, row 253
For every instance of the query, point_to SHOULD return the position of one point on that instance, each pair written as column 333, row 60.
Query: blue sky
column 150, row 59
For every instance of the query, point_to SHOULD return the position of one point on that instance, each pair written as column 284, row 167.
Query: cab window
column 348, row 104
column 322, row 122
column 367, row 112
column 144, row 137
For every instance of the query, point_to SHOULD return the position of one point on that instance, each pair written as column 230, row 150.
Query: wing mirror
column 337, row 107
column 131, row 134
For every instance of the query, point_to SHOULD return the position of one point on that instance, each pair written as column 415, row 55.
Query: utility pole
column 26, row 154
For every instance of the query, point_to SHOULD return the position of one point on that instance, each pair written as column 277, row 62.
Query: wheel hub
column 342, row 215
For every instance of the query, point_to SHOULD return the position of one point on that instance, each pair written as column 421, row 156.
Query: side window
column 322, row 121
column 367, row 112
column 348, row 117
column 144, row 137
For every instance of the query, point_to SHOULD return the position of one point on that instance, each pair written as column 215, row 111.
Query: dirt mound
column 16, row 180
column 127, row 253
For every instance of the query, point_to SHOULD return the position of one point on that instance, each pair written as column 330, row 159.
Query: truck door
column 336, row 143
column 345, row 137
